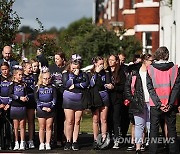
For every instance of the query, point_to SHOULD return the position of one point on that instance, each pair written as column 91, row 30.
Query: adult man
column 7, row 57
column 160, row 80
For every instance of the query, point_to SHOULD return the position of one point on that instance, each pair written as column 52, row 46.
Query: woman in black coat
column 118, row 79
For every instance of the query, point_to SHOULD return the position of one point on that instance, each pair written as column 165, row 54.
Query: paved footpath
column 85, row 143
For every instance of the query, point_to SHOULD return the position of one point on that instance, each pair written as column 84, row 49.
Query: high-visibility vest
column 163, row 82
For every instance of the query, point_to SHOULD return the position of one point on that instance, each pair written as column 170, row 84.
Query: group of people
column 115, row 93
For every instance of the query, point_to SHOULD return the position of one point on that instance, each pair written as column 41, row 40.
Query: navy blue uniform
column 45, row 96
column 99, row 94
column 30, row 82
column 72, row 99
column 6, row 137
column 4, row 90
column 18, row 107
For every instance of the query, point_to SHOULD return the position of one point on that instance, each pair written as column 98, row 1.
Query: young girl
column 18, row 94
column 45, row 96
column 74, row 82
column 99, row 83
column 5, row 81
column 35, row 69
column 31, row 105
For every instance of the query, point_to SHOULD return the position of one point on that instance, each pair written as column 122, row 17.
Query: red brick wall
column 155, row 41
column 147, row 16
column 129, row 21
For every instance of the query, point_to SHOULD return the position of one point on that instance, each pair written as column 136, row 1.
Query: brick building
column 137, row 17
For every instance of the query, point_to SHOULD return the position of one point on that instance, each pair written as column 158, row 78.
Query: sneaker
column 41, row 146
column 138, row 151
column 75, row 146
column 95, row 145
column 132, row 147
column 22, row 145
column 16, row 147
column 31, row 145
column 116, row 144
column 48, row 147
column 143, row 148
column 67, row 146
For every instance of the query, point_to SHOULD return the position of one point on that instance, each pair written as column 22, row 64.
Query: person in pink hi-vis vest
column 160, row 80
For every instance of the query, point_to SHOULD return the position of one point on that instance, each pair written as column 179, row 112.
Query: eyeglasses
column 46, row 78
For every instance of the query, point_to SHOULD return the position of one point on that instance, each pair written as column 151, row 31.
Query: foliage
column 9, row 23
column 90, row 40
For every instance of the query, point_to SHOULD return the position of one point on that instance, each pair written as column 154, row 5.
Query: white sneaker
column 41, row 146
column 31, row 145
column 116, row 144
column 48, row 147
column 16, row 147
column 22, row 145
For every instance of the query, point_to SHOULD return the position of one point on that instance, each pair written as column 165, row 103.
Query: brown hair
column 115, row 74
column 5, row 64
column 145, row 57
column 95, row 60
column 162, row 53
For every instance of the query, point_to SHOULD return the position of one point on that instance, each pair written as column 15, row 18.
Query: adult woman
column 56, row 73
column 139, row 100
column 118, row 79
column 74, row 82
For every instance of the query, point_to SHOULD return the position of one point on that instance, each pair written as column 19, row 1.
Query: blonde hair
column 15, row 71
column 40, row 79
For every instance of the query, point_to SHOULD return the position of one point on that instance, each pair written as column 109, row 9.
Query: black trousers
column 114, row 119
column 170, row 118
column 59, row 119
column 125, row 120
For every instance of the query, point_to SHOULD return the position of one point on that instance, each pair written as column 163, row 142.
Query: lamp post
column 23, row 40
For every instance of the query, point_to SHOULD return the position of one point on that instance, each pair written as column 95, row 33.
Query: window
column 132, row 4
column 121, row 4
column 147, row 42
column 148, row 1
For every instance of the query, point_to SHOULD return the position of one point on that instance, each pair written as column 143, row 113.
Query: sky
column 52, row 13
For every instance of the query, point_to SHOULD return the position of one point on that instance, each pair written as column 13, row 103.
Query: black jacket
column 175, row 91
column 136, row 100
column 163, row 67
column 117, row 94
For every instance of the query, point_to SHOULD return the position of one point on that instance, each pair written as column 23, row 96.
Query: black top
column 17, row 90
column 42, row 59
column 56, row 73
column 117, row 94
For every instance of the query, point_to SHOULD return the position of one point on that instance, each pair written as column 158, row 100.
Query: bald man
column 7, row 57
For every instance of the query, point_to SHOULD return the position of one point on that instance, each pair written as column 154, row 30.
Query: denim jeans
column 141, row 121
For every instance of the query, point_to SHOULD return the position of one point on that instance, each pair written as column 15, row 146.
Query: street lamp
column 23, row 40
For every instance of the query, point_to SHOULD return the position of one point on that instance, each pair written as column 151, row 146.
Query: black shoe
column 143, row 147
column 75, row 146
column 95, row 145
column 132, row 147
column 67, row 146
column 138, row 151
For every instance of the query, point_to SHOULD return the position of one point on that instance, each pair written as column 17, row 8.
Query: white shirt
column 144, row 84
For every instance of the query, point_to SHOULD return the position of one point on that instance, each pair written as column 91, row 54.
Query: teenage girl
column 5, row 126
column 99, row 83
column 31, row 105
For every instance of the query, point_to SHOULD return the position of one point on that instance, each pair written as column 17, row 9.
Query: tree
column 9, row 23
column 90, row 40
